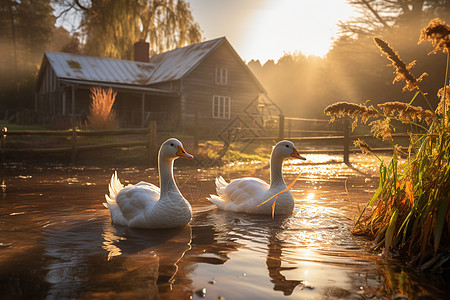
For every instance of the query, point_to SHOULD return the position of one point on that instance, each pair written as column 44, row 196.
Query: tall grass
column 409, row 212
column 101, row 113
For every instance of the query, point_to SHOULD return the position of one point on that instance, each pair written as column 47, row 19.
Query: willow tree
column 112, row 27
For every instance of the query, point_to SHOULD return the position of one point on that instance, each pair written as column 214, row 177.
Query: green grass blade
column 415, row 95
column 377, row 192
column 404, row 227
column 440, row 220
column 391, row 228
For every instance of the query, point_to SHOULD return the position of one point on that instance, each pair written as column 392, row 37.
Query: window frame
column 221, row 107
column 221, row 75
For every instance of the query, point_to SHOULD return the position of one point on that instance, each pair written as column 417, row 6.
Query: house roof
column 167, row 66
column 175, row 64
column 99, row 69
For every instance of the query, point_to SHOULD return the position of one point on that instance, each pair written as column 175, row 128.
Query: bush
column 101, row 113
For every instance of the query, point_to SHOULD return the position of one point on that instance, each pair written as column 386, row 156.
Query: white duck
column 144, row 205
column 245, row 194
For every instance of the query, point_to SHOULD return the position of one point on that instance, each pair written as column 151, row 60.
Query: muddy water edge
column 56, row 240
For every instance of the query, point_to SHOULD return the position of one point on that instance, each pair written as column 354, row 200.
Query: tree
column 61, row 37
column 295, row 82
column 26, row 28
column 112, row 27
column 377, row 16
column 73, row 46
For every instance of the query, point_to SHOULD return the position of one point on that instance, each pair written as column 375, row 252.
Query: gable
column 175, row 64
column 179, row 63
column 245, row 69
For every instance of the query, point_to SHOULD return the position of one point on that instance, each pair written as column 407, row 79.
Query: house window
column 221, row 107
column 221, row 75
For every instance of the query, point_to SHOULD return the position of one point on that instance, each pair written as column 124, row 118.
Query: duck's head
column 286, row 149
column 172, row 149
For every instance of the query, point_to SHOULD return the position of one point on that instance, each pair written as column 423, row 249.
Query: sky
column 266, row 29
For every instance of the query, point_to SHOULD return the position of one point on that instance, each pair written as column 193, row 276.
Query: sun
column 292, row 26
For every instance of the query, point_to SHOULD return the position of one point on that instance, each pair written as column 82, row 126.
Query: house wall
column 199, row 87
column 52, row 101
column 54, row 105
column 47, row 93
column 173, row 86
column 162, row 109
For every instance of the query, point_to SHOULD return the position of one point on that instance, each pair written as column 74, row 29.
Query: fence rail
column 342, row 137
column 74, row 134
column 337, row 135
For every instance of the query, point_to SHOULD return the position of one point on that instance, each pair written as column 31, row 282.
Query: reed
column 409, row 212
column 101, row 113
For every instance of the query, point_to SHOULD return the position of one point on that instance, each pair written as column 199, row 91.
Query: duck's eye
column 171, row 144
column 287, row 146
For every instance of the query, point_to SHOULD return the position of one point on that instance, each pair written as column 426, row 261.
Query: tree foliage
column 376, row 16
column 112, row 27
column 26, row 29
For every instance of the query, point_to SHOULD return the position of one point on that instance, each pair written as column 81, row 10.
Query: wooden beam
column 64, row 103
column 142, row 110
column 73, row 99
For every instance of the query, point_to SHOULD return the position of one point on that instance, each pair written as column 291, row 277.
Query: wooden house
column 198, row 87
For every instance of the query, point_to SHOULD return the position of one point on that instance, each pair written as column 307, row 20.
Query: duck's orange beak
column 296, row 155
column 182, row 153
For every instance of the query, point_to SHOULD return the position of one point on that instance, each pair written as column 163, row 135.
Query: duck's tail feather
column 219, row 202
column 116, row 214
column 114, row 187
column 221, row 184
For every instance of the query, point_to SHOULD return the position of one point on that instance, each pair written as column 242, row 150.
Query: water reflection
column 83, row 256
column 273, row 261
column 162, row 248
column 67, row 251
column 303, row 253
column 238, row 232
column 404, row 283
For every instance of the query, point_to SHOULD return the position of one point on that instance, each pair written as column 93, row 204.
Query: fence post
column 3, row 141
column 289, row 126
column 346, row 142
column 151, row 147
column 73, row 157
column 196, row 131
column 281, row 127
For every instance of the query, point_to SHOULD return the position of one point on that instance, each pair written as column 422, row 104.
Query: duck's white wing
column 134, row 200
column 130, row 203
column 239, row 195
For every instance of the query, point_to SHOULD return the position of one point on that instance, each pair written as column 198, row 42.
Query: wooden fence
column 332, row 140
column 340, row 137
column 73, row 135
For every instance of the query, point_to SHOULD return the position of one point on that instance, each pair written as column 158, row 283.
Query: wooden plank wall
column 199, row 87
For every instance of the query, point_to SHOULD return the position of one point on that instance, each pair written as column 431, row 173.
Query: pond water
column 57, row 241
